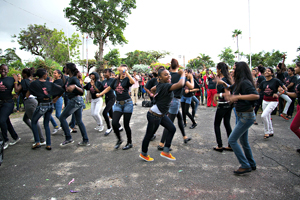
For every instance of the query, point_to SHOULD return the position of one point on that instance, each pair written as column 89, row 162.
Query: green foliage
column 47, row 64
column 227, row 56
column 53, row 44
column 9, row 56
column 200, row 62
column 141, row 68
column 105, row 19
column 236, row 33
column 139, row 57
column 267, row 59
column 91, row 63
column 113, row 58
column 32, row 39
column 297, row 59
column 13, row 71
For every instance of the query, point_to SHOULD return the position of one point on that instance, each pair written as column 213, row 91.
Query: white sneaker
column 55, row 130
column 6, row 145
column 101, row 128
column 15, row 141
column 43, row 143
column 107, row 132
column 121, row 128
column 97, row 128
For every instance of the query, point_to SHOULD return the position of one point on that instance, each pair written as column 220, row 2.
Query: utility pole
column 250, row 66
column 87, row 60
column 82, row 51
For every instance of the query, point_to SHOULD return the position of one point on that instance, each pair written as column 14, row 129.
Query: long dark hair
column 97, row 77
column 61, row 75
column 224, row 70
column 40, row 72
column 261, row 69
column 241, row 73
column 271, row 71
column 72, row 68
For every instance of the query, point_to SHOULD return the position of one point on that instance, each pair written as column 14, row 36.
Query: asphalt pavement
column 101, row 172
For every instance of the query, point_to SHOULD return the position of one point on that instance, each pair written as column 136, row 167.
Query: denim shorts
column 175, row 105
column 187, row 100
column 126, row 108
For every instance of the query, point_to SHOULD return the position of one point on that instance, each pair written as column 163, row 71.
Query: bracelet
column 182, row 77
column 16, row 82
column 221, row 95
column 285, row 92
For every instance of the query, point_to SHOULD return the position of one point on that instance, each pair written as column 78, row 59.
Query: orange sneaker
column 146, row 158
column 167, row 156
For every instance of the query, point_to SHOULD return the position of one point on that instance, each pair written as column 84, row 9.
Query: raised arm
column 180, row 83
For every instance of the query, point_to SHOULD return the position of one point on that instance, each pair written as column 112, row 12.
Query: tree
column 60, row 48
column 227, row 56
column 33, row 38
column 139, row 57
column 91, row 63
column 297, row 59
column 157, row 54
column 236, row 34
column 267, row 59
column 105, row 19
column 113, row 58
column 10, row 56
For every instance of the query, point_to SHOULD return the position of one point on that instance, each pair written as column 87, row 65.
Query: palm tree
column 236, row 34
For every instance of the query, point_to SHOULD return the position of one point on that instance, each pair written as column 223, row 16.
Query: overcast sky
column 181, row 27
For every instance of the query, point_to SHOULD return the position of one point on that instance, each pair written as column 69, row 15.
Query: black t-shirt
column 44, row 90
column 211, row 83
column 122, row 88
column 25, row 86
column 106, row 83
column 246, row 88
column 89, row 87
column 163, row 97
column 269, row 88
column 175, row 77
column 281, row 76
column 73, row 81
column 6, row 87
column 221, row 89
column 291, row 79
column 260, row 79
column 189, row 94
column 151, row 83
column 60, row 83
column 297, row 90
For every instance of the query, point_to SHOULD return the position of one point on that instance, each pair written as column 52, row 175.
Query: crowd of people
column 238, row 89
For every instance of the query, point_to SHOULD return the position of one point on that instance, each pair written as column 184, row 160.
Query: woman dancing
column 44, row 91
column 243, row 95
column 123, row 106
column 224, row 108
column 157, row 113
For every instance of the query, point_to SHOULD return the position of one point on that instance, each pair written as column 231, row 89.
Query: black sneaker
column 66, row 142
column 193, row 126
column 82, row 143
column 187, row 140
column 153, row 138
column 128, row 146
column 121, row 128
column 107, row 132
column 118, row 144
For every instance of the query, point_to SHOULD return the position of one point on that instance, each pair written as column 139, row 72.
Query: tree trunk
column 101, row 49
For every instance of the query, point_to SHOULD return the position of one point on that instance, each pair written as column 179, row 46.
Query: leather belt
column 155, row 114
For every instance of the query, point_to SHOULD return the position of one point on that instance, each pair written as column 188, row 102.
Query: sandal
column 227, row 149
column 266, row 136
column 271, row 135
column 219, row 149
column 255, row 123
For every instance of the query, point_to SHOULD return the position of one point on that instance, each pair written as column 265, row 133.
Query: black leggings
column 180, row 125
column 153, row 124
column 258, row 103
column 115, row 124
column 223, row 112
column 108, row 109
column 185, row 112
column 292, row 107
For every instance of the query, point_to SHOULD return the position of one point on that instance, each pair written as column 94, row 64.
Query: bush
column 141, row 68
column 47, row 64
column 155, row 66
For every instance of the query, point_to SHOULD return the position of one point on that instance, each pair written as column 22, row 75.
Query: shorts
column 175, row 105
column 187, row 100
column 126, row 108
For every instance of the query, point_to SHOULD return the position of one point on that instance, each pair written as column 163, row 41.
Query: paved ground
column 100, row 172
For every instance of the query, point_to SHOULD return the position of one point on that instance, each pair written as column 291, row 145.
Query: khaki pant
column 134, row 94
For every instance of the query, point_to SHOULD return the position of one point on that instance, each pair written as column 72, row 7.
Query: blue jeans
column 174, row 107
column 75, row 105
column 187, row 100
column 6, row 109
column 58, row 108
column 40, row 111
column 240, row 131
column 153, row 124
column 126, row 108
column 236, row 117
column 196, row 105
